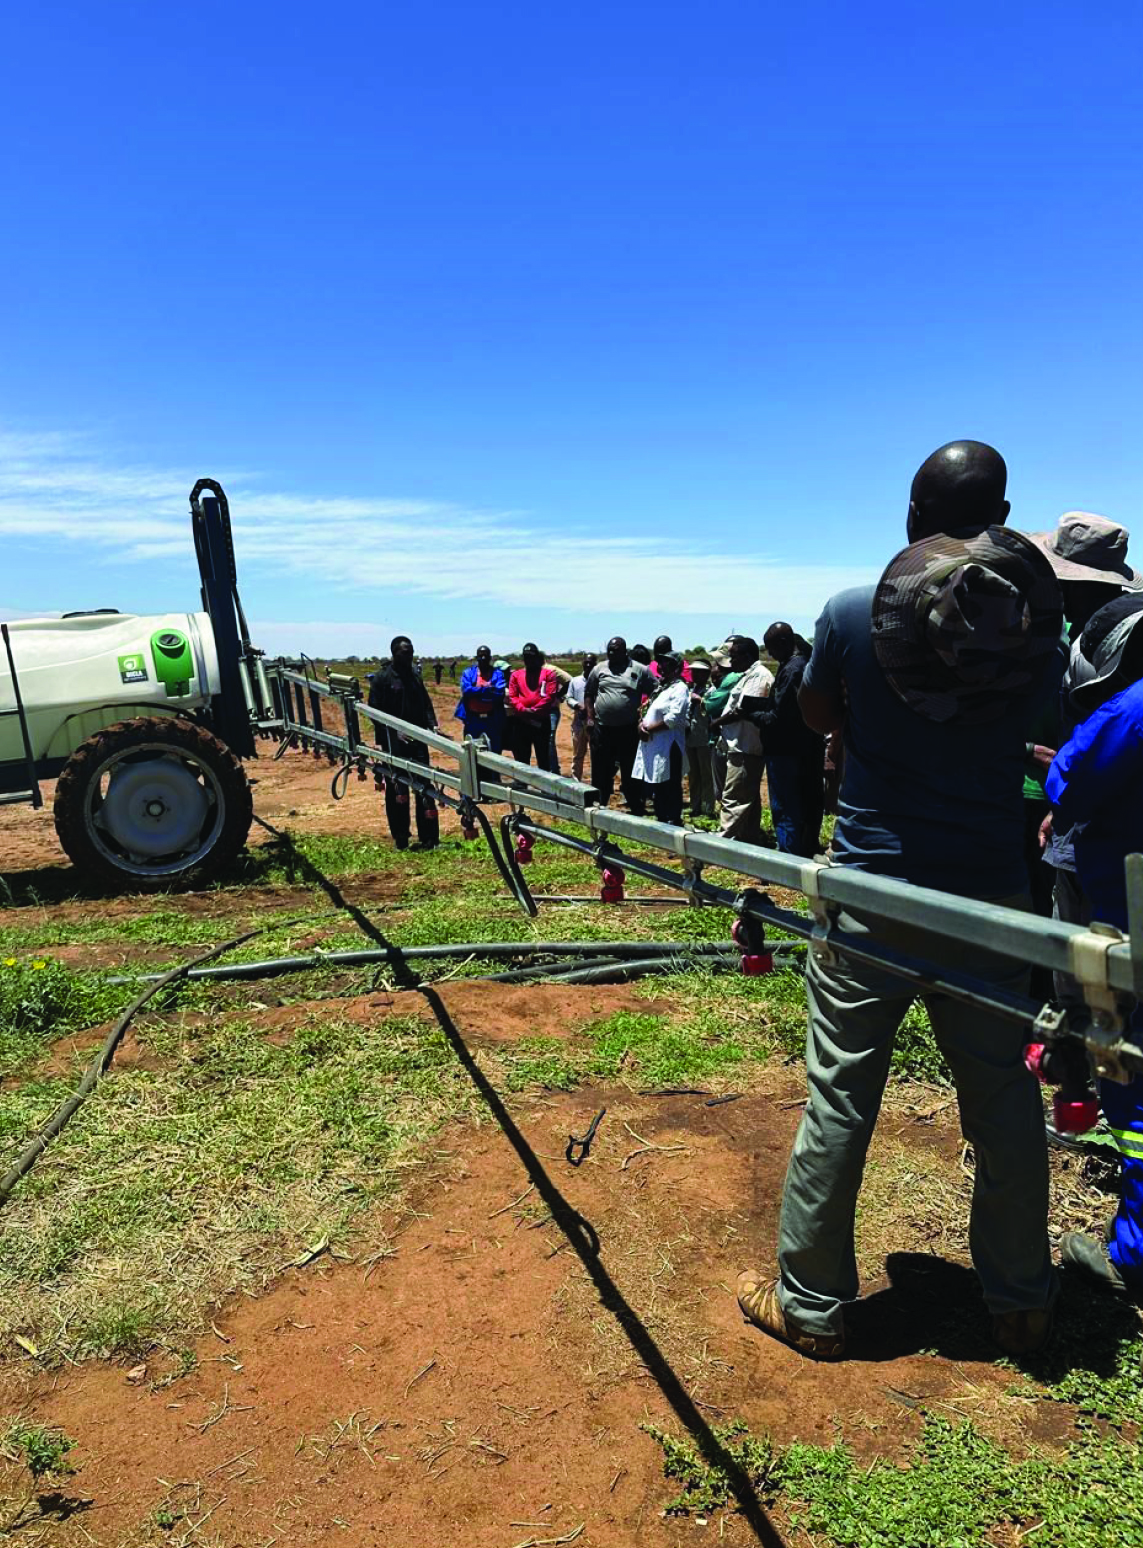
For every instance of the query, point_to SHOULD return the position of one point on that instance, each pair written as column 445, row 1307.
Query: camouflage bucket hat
column 963, row 626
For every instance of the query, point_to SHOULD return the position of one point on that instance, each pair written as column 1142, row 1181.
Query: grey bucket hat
column 963, row 626
column 1099, row 670
column 1086, row 547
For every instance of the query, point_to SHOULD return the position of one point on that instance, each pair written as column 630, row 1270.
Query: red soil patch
column 484, row 1012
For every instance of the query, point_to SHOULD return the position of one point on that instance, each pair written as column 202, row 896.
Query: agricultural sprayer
column 143, row 720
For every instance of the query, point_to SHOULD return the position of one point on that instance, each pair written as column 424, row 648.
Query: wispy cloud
column 57, row 486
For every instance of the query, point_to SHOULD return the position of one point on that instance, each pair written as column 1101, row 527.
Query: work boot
column 759, row 1304
column 1022, row 1333
column 1083, row 1252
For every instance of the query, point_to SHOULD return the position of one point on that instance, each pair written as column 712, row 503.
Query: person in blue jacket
column 1096, row 782
column 482, row 690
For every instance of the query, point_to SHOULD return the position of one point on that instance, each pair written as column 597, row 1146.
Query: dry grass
column 237, row 1157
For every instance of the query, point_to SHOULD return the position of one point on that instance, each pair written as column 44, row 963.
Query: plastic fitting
column 611, row 887
column 1074, row 1115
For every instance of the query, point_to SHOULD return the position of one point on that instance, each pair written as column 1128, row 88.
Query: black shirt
column 405, row 697
column 784, row 732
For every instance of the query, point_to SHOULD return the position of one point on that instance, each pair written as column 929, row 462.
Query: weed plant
column 42, row 999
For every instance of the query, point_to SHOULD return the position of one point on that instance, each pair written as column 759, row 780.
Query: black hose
column 98, row 1066
column 519, row 885
column 614, row 971
column 542, row 971
column 593, row 897
column 274, row 966
column 641, row 968
column 509, row 871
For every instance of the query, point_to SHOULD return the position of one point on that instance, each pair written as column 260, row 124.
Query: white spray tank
column 85, row 671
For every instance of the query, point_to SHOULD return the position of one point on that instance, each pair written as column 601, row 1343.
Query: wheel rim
column 154, row 810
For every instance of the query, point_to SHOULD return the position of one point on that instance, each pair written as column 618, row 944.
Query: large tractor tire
column 153, row 803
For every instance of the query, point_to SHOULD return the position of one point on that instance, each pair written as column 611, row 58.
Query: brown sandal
column 758, row 1299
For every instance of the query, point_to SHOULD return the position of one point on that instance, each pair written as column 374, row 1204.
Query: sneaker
column 758, row 1301
column 1086, row 1253
column 1020, row 1333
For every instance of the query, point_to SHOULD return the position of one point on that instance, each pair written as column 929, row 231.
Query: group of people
column 985, row 702
column 652, row 719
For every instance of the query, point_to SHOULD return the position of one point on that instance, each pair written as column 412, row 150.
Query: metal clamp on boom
column 692, row 881
column 1103, row 1038
column 825, row 913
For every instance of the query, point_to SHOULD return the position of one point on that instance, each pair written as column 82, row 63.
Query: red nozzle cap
column 755, row 963
column 611, row 894
column 467, row 831
column 613, row 876
column 1034, row 1059
column 1072, row 1116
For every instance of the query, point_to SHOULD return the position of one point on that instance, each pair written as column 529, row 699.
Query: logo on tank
column 133, row 669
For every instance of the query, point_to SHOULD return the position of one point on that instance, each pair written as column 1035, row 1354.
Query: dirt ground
column 484, row 1380
column 487, row 1378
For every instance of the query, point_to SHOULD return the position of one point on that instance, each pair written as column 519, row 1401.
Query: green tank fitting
column 174, row 662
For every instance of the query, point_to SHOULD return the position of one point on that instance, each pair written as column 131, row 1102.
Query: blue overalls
column 1097, row 781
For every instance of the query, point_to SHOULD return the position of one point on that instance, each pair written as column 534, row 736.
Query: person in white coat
column 661, row 758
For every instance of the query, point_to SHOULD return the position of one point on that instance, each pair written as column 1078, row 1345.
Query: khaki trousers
column 854, row 1013
column 742, row 798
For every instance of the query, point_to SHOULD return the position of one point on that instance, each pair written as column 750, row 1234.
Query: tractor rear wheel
column 152, row 803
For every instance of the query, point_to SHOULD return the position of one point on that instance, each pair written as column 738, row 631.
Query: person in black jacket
column 398, row 690
column 795, row 755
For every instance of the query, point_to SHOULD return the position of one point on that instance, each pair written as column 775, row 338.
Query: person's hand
column 644, row 734
column 1045, row 833
column 1043, row 756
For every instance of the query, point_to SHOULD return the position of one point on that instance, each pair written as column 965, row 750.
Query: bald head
column 960, row 488
column 779, row 641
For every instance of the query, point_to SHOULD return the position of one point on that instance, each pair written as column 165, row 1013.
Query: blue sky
column 516, row 321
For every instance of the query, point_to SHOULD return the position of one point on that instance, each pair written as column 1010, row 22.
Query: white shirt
column 574, row 699
column 757, row 682
column 653, row 758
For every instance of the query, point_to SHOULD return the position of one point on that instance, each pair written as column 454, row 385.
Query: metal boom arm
column 1107, row 965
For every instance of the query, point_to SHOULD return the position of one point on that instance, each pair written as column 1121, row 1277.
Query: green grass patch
column 541, row 1061
column 301, row 859
column 172, row 1187
column 958, row 1490
column 759, row 1015
column 1093, row 1361
column 658, row 1049
column 41, row 1000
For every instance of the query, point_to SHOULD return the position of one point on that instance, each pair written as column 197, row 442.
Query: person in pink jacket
column 533, row 691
